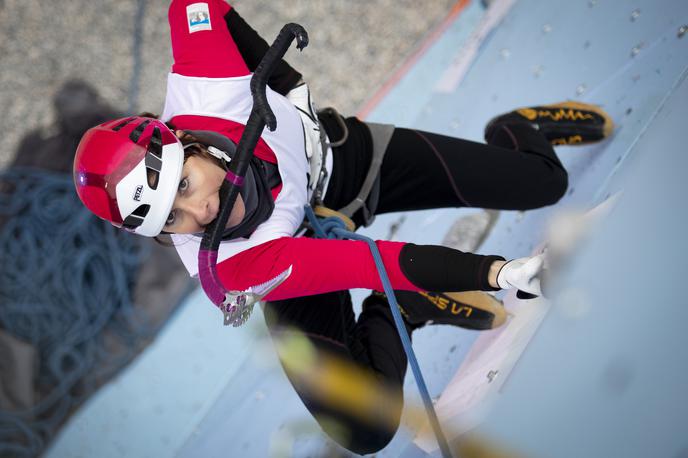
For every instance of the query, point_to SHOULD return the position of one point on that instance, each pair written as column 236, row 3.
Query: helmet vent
column 154, row 159
column 136, row 133
column 135, row 219
column 153, row 176
column 122, row 124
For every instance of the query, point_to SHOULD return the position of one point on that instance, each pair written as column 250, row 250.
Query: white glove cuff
column 501, row 277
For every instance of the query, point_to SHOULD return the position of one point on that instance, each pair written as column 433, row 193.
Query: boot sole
column 562, row 135
column 608, row 127
column 482, row 301
column 469, row 309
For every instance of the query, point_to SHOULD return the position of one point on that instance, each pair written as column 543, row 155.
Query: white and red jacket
column 208, row 89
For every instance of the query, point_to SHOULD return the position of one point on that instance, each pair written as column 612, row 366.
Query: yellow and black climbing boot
column 566, row 123
column 471, row 309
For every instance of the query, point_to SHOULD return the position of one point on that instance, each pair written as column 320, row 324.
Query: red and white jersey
column 208, row 89
column 230, row 99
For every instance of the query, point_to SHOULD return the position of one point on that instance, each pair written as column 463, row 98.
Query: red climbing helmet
column 127, row 171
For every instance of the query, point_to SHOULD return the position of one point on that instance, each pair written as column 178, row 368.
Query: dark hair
column 194, row 147
column 197, row 148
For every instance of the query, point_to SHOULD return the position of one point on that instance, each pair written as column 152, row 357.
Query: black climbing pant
column 516, row 170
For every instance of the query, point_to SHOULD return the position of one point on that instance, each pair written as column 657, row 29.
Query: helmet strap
column 218, row 153
column 215, row 152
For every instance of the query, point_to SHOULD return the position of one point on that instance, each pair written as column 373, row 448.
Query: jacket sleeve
column 201, row 43
column 253, row 47
column 325, row 265
column 318, row 266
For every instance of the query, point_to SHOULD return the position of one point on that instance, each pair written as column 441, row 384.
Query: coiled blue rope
column 65, row 280
column 334, row 228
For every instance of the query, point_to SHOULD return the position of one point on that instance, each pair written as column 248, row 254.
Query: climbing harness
column 319, row 156
column 238, row 305
column 367, row 198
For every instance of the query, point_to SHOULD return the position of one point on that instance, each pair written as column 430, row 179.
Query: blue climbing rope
column 66, row 280
column 334, row 228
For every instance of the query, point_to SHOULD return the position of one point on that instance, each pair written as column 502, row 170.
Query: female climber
column 154, row 176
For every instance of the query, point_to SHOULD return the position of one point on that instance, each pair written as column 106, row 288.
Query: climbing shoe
column 566, row 123
column 471, row 309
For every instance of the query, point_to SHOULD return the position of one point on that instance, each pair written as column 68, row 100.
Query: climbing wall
column 605, row 360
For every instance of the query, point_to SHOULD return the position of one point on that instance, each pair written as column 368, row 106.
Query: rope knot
column 326, row 221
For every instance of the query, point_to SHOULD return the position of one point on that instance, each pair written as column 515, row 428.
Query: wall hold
column 682, row 31
column 537, row 70
column 636, row 49
column 491, row 375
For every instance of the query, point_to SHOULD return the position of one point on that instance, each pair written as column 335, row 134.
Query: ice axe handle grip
column 267, row 66
column 261, row 116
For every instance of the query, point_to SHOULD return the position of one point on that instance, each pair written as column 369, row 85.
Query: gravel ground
column 355, row 46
